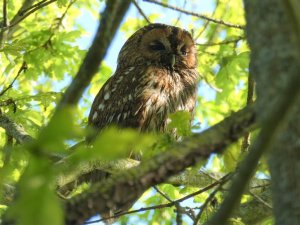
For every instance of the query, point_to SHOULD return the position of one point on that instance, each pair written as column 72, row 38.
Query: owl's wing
column 118, row 100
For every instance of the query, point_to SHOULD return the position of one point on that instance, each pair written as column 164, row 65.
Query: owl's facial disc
column 171, row 47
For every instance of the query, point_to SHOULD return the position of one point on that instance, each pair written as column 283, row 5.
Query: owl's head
column 161, row 45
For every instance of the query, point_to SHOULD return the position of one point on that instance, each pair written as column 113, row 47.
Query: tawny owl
column 156, row 75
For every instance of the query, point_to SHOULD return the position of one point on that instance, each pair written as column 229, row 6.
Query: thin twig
column 58, row 23
column 52, row 29
column 22, row 68
column 180, row 13
column 261, row 200
column 141, row 11
column 43, row 4
column 207, row 22
column 205, row 204
column 170, row 204
column 179, row 209
column 162, row 194
column 218, row 21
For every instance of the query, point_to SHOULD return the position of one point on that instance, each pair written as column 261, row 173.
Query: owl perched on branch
column 156, row 75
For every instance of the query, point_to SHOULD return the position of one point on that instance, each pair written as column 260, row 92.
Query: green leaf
column 37, row 202
column 61, row 3
column 115, row 143
column 60, row 129
column 231, row 157
column 181, row 123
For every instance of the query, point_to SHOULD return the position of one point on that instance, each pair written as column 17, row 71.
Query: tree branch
column 109, row 22
column 95, row 171
column 121, row 190
column 259, row 199
column 207, row 22
column 14, row 130
column 22, row 68
column 26, row 4
column 4, row 10
column 278, row 113
column 23, row 11
column 196, row 15
column 141, row 11
column 23, row 16
column 58, row 23
column 171, row 203
column 208, row 200
column 259, row 211
column 90, row 172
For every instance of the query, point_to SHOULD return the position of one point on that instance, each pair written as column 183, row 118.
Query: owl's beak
column 172, row 60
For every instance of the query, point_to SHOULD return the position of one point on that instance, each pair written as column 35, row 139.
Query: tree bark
column 275, row 62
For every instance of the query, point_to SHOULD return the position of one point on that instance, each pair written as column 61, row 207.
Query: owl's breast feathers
column 142, row 97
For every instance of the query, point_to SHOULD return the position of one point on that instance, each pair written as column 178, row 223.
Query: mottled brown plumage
column 156, row 75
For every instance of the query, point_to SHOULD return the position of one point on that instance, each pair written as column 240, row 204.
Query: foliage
column 48, row 42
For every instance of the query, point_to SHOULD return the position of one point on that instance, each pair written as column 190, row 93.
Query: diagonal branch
column 23, row 16
column 26, row 4
column 122, row 190
column 8, row 31
column 213, row 20
column 15, row 130
column 22, row 12
column 59, row 22
column 281, row 108
column 204, row 27
column 141, row 11
column 208, row 200
column 22, row 68
column 110, row 21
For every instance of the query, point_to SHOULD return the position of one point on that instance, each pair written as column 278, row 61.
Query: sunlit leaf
column 36, row 188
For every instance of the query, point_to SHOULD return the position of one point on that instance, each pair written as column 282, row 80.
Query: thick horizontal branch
column 15, row 130
column 122, row 190
column 95, row 171
column 90, row 172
